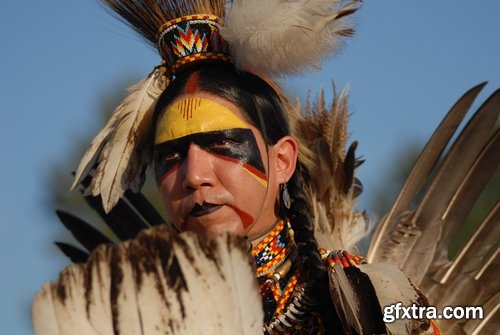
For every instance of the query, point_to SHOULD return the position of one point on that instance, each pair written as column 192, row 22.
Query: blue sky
column 407, row 65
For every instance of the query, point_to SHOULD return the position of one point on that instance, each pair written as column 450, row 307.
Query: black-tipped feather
column 132, row 214
column 76, row 255
column 145, row 208
column 349, row 166
column 84, row 233
column 122, row 219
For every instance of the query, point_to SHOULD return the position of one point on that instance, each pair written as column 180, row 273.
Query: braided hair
column 264, row 110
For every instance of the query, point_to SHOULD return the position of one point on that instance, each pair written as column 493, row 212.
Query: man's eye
column 222, row 143
column 170, row 156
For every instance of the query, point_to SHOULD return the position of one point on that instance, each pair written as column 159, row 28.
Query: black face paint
column 237, row 145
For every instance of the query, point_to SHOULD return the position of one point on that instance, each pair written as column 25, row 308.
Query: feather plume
column 147, row 16
column 154, row 285
column 122, row 149
column 329, row 171
column 278, row 37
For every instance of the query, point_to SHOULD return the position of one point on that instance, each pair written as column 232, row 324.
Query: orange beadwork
column 340, row 257
column 272, row 250
column 271, row 236
column 282, row 299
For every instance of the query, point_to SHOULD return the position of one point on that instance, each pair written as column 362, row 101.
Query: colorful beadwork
column 272, row 250
column 285, row 305
column 191, row 39
column 285, row 297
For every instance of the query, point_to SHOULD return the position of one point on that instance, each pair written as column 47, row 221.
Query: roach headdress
column 270, row 38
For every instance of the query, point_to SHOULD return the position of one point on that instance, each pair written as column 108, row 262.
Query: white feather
column 277, row 37
column 155, row 284
column 122, row 149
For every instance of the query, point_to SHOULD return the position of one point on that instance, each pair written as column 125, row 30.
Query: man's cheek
column 167, row 171
column 249, row 169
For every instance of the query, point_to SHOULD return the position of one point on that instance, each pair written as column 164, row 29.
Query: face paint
column 206, row 151
column 193, row 115
column 235, row 145
column 246, row 218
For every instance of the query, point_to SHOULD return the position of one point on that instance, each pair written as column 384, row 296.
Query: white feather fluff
column 122, row 149
column 277, row 37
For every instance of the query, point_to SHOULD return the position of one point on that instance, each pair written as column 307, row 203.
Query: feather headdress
column 270, row 38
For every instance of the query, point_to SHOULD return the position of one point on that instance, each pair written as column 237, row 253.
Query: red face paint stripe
column 192, row 83
column 246, row 218
column 246, row 166
column 256, row 172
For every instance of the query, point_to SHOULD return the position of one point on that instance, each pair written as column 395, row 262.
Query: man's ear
column 287, row 151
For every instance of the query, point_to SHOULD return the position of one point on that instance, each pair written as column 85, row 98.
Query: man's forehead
column 192, row 114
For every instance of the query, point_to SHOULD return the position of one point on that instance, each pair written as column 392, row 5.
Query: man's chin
column 211, row 230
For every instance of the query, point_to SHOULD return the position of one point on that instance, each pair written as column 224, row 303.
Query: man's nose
column 197, row 168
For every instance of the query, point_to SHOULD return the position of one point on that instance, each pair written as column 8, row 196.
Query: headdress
column 269, row 38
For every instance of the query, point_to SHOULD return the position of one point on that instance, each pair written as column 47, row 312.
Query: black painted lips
column 204, row 209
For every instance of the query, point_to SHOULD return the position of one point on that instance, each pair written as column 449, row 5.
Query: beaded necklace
column 278, row 276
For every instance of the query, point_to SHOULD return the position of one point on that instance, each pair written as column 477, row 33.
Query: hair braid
column 300, row 219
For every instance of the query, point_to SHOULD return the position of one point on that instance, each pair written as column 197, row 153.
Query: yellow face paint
column 193, row 115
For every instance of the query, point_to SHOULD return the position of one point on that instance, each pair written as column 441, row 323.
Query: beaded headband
column 193, row 38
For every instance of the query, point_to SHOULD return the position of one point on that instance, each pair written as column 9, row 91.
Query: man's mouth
column 204, row 209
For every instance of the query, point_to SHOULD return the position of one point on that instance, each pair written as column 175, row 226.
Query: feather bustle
column 330, row 178
column 418, row 239
column 458, row 161
column 415, row 181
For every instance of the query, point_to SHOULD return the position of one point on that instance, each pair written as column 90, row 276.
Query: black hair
column 264, row 110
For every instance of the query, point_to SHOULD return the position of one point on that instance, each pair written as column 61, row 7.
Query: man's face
column 212, row 168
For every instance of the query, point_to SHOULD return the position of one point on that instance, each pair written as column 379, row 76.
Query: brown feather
column 465, row 198
column 420, row 172
column 322, row 133
column 458, row 161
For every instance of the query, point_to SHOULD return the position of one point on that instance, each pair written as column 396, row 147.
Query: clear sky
column 407, row 65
